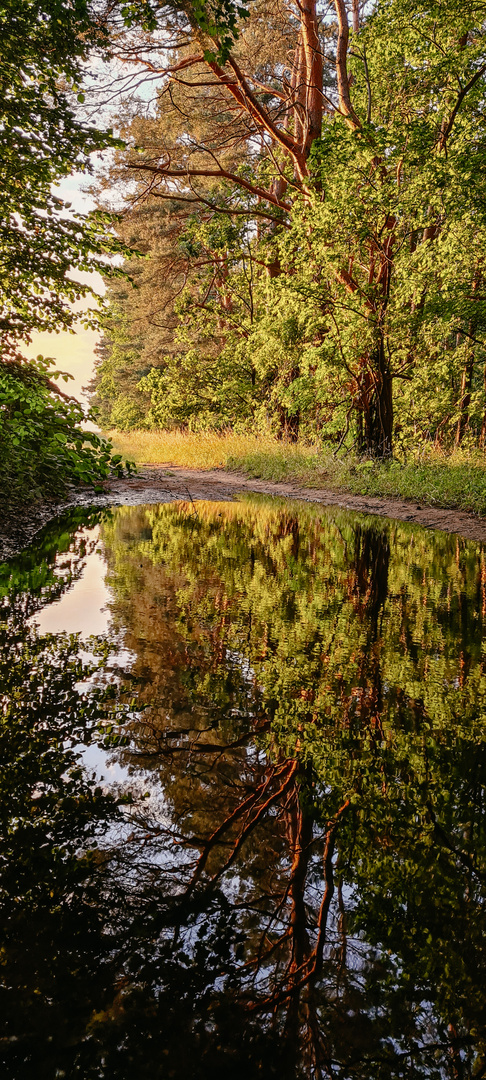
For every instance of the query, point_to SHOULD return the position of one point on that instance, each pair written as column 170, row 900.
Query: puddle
column 249, row 839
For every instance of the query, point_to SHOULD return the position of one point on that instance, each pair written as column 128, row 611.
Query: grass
column 204, row 450
column 429, row 477
column 457, row 482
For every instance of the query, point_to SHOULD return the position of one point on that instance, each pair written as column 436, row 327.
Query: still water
column 242, row 828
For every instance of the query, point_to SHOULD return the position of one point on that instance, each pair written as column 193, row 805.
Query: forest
column 304, row 195
column 242, row 827
column 291, row 223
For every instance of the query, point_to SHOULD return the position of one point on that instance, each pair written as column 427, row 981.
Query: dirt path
column 156, row 483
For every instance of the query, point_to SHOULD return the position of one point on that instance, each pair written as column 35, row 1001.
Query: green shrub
column 44, row 449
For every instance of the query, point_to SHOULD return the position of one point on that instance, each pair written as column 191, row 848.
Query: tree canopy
column 315, row 197
column 44, row 47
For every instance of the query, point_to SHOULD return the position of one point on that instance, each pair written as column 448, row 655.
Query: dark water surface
column 242, row 831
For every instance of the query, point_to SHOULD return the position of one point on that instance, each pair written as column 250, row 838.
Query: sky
column 74, row 353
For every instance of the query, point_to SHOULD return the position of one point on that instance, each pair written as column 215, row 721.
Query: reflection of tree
column 46, row 569
column 333, row 645
column 302, row 893
column 55, row 956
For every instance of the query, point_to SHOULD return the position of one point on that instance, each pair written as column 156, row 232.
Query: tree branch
column 444, row 135
column 223, row 174
column 345, row 105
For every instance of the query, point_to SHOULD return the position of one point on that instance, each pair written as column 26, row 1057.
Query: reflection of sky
column 82, row 608
column 85, row 608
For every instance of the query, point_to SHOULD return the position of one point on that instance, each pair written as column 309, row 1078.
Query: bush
column 44, row 449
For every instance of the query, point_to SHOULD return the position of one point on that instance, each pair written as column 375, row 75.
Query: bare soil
column 156, row 483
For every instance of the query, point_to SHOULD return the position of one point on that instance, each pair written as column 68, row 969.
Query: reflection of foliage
column 301, row 894
column 44, row 571
column 354, row 848
column 90, row 977
column 56, row 951
column 89, row 970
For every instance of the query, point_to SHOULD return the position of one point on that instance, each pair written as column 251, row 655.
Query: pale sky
column 73, row 353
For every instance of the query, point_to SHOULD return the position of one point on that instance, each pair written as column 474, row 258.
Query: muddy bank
column 155, row 483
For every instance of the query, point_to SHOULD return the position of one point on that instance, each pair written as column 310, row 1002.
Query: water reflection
column 301, row 892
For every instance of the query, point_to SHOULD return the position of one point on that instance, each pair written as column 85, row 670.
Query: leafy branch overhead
column 44, row 243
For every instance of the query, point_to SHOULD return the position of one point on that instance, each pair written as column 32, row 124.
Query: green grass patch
column 433, row 479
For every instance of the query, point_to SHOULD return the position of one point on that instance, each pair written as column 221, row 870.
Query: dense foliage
column 44, row 446
column 312, row 211
column 44, row 45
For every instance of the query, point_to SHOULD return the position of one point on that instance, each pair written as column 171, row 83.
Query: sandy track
column 156, row 483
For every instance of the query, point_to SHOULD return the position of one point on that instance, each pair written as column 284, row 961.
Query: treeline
column 303, row 191
column 308, row 193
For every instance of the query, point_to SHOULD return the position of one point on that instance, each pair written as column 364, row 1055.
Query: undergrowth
column 45, row 448
column 429, row 477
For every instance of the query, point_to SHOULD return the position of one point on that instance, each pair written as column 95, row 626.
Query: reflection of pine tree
column 291, row 629
column 303, row 892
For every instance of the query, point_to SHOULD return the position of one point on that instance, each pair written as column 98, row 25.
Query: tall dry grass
column 202, row 450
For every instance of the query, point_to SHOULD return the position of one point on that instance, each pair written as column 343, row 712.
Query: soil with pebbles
column 156, row 483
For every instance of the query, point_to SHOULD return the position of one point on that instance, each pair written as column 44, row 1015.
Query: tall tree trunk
column 289, row 425
column 377, row 409
column 482, row 437
column 356, row 16
column 289, row 422
column 360, row 444
column 465, row 399
column 467, row 375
